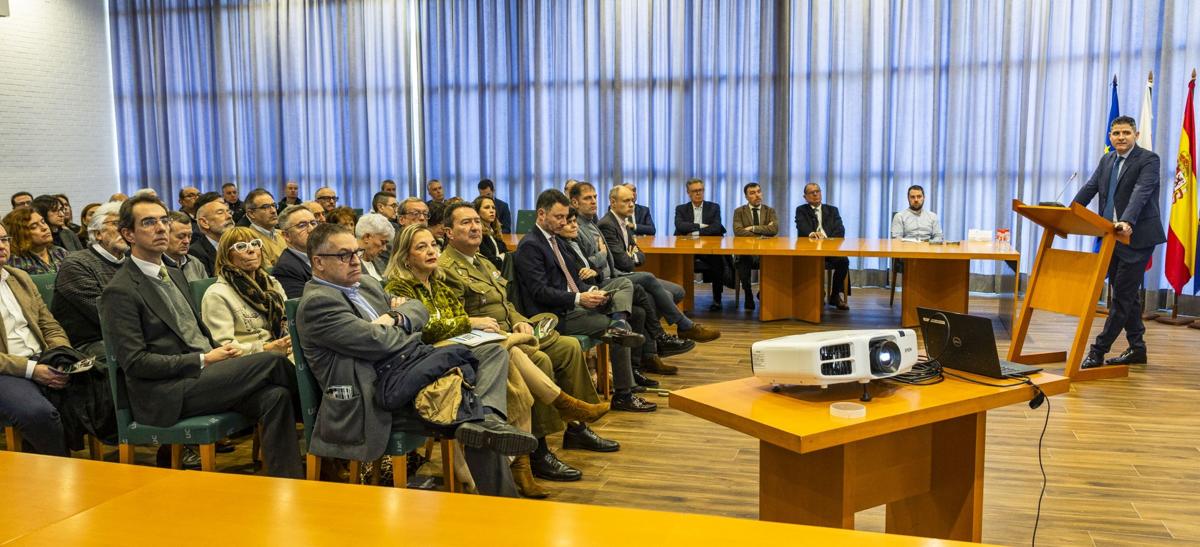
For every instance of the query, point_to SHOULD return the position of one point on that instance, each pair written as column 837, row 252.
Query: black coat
column 204, row 252
column 710, row 215
column 831, row 221
column 543, row 284
column 292, row 272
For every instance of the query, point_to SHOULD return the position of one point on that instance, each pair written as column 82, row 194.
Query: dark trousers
column 1126, row 312
column 258, row 386
column 644, row 321
column 714, row 266
column 23, row 405
column 841, row 268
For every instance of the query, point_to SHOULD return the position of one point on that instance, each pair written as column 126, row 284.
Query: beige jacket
column 231, row 319
column 743, row 219
column 45, row 329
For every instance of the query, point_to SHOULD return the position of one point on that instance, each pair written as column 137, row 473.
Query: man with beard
column 82, row 277
column 214, row 217
column 916, row 222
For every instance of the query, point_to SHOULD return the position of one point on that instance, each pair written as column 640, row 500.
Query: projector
column 834, row 357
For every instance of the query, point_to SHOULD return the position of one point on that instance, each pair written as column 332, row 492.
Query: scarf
column 253, row 289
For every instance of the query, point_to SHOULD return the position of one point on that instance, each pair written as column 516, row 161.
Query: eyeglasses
column 4, row 240
column 190, row 195
column 345, row 256
column 305, row 225
column 327, row 198
column 150, row 222
column 417, row 214
column 263, row 206
column 243, row 246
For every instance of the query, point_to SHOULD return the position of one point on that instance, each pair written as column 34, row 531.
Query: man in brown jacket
column 752, row 220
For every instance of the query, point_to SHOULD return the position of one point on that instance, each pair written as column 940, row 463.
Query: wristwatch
column 397, row 317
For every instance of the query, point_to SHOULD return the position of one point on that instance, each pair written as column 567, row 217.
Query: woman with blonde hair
column 245, row 304
column 492, row 247
column 413, row 272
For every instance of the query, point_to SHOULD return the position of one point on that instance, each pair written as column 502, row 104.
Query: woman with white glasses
column 245, row 305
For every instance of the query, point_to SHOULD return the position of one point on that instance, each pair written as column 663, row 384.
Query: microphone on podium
column 1065, row 185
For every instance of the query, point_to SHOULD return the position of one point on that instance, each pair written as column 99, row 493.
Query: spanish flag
column 1181, row 234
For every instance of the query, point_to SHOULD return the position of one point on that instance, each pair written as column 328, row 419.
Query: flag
column 1145, row 139
column 1114, row 111
column 1181, row 234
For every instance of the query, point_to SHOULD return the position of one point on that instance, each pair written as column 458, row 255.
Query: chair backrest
column 45, row 286
column 116, row 382
column 310, row 390
column 199, row 287
column 525, row 220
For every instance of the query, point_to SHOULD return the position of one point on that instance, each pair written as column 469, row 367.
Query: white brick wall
column 56, row 102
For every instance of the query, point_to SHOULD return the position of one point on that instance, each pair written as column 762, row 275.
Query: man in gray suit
column 346, row 325
column 172, row 368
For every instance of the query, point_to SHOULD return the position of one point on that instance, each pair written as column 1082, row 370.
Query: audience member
column 492, row 246
column 548, row 285
column 244, row 307
column 752, row 220
column 118, row 197
column 291, row 196
column 179, row 242
column 703, row 218
column 32, row 248
column 328, row 199
column 385, row 204
column 85, row 218
column 437, row 194
column 172, row 368
column 342, row 215
column 487, row 189
column 51, row 210
column 293, row 269
column 260, row 209
column 567, row 186
column 229, row 192
column 375, row 233
column 351, row 332
column 21, row 199
column 188, row 195
column 317, row 210
column 29, row 329
column 643, row 223
column 916, row 222
column 69, row 216
column 146, row 192
column 214, row 217
column 819, row 221
column 413, row 211
column 82, row 277
column 388, row 185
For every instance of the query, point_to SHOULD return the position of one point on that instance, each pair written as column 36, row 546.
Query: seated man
column 643, row 222
column 819, row 221
column 214, row 217
column 293, row 269
column 485, row 294
column 548, row 285
column 703, row 218
column 346, row 325
column 82, row 277
column 752, row 220
column 916, row 222
column 29, row 329
column 264, row 218
column 179, row 246
column 172, row 368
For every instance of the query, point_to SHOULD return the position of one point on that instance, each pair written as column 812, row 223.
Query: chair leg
column 355, row 471
column 177, row 456
column 892, row 299
column 208, row 457
column 376, row 472
column 603, row 367
column 399, row 470
column 448, row 465
column 312, row 471
column 428, row 448
column 256, row 445
column 126, row 453
column 95, row 448
column 12, row 438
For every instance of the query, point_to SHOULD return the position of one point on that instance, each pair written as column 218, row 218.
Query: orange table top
column 798, row 417
column 194, row 508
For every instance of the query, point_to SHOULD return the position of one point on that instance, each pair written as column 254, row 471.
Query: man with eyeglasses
column 328, row 198
column 291, row 196
column 413, row 211
column 188, row 196
column 83, row 275
column 172, row 368
column 229, row 192
column 178, row 247
column 21, row 199
column 214, row 217
column 294, row 269
column 260, row 209
column 385, row 204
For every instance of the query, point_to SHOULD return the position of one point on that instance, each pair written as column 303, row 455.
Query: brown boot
column 655, row 365
column 571, row 409
column 523, row 476
column 700, row 333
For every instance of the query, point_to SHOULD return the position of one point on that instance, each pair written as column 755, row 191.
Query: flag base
column 1194, row 325
column 1177, row 321
column 1149, row 316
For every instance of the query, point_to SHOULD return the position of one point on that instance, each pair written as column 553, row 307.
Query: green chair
column 525, row 221
column 202, row 430
column 45, row 286
column 603, row 387
column 399, row 444
column 199, row 287
column 358, row 212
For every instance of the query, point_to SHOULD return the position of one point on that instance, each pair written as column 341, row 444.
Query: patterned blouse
column 447, row 316
column 33, row 264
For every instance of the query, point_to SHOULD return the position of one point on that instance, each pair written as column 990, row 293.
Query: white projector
column 834, row 357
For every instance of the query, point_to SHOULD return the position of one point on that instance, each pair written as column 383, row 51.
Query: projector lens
column 885, row 356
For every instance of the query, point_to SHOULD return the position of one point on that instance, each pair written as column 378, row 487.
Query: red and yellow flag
column 1181, row 233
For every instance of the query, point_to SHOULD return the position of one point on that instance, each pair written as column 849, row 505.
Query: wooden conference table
column 62, row 501
column 792, row 269
column 920, row 449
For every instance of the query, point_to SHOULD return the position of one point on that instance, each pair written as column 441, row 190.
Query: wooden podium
column 1066, row 282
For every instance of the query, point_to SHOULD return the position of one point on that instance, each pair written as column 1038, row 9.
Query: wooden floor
column 1121, row 455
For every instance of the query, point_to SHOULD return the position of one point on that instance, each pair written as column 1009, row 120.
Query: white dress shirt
column 21, row 340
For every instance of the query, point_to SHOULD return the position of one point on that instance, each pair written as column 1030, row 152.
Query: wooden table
column 919, row 450
column 164, row 507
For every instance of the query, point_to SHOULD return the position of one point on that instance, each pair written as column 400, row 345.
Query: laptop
column 972, row 344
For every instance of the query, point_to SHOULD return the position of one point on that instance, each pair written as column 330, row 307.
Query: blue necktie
column 1107, row 213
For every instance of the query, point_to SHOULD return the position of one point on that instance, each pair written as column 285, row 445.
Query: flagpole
column 1146, row 140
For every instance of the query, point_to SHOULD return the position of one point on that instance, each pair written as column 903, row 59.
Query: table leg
column 676, row 268
column 934, row 283
column 953, row 506
column 792, row 288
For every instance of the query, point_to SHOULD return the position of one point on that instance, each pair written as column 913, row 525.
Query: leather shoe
column 190, row 459
column 641, row 379
column 584, row 438
column 225, row 446
column 715, row 306
column 670, row 345
column 494, row 434
column 621, row 335
column 632, row 403
column 839, row 301
column 653, row 364
column 1130, row 357
column 1094, row 359
column 700, row 333
column 748, row 302
column 546, row 466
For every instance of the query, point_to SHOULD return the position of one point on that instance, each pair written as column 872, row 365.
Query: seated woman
column 86, row 218
column 245, row 305
column 492, row 247
column 55, row 215
column 413, row 272
column 32, row 246
column 344, row 216
column 374, row 233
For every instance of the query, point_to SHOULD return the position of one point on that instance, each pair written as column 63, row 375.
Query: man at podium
column 1127, row 182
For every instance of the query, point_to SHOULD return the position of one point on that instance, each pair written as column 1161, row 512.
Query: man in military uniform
column 484, row 292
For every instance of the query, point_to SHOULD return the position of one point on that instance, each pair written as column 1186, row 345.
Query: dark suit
column 1135, row 201
column 164, row 377
column 641, row 218
column 504, row 214
column 293, row 272
column 204, row 251
column 612, row 228
column 831, row 223
column 710, row 216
